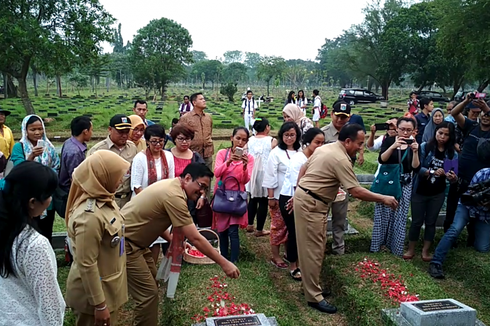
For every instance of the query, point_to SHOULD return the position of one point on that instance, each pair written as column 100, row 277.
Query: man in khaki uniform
column 118, row 142
column 340, row 117
column 148, row 216
column 319, row 181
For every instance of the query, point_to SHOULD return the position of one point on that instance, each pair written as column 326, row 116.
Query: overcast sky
column 286, row 28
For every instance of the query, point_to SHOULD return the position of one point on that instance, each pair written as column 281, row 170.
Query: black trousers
column 258, row 206
column 45, row 225
column 292, row 247
column 455, row 192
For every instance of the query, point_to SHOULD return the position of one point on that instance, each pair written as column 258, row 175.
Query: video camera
column 478, row 194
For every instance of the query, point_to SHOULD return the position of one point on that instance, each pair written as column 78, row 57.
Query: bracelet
column 203, row 197
column 270, row 198
column 101, row 309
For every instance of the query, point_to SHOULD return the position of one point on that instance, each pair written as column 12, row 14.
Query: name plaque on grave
column 238, row 321
column 437, row 305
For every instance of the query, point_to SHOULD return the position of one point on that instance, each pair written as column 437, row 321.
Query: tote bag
column 388, row 181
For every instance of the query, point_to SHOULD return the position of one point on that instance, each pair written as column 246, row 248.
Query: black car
column 358, row 95
column 434, row 96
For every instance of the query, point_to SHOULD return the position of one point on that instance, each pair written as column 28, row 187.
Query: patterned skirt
column 390, row 225
column 279, row 232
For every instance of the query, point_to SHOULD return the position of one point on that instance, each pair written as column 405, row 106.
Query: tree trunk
column 34, row 80
column 421, row 87
column 11, row 89
column 58, row 86
column 384, row 89
column 26, row 101
column 268, row 82
column 483, row 85
column 107, row 83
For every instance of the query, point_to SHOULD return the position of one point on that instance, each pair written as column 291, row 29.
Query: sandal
column 250, row 228
column 282, row 265
column 296, row 274
column 408, row 257
column 262, row 233
column 285, row 258
column 427, row 259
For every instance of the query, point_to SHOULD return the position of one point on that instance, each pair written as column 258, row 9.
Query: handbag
column 388, row 181
column 226, row 201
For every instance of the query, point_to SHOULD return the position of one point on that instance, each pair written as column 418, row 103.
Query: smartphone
column 239, row 151
column 408, row 141
column 381, row 126
column 480, row 95
column 40, row 143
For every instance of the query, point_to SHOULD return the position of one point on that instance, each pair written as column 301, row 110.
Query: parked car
column 434, row 96
column 462, row 95
column 358, row 95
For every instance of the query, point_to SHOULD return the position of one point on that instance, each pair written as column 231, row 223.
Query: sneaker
column 435, row 270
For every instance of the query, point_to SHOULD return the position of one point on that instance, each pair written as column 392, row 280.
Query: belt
column 312, row 194
column 122, row 196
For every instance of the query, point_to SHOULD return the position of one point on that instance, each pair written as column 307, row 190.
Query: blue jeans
column 462, row 217
column 232, row 234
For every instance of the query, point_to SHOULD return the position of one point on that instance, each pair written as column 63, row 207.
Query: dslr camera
column 478, row 194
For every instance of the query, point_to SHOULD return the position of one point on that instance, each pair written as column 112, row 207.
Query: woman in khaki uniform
column 96, row 285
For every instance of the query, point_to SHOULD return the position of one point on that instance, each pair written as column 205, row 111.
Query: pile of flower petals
column 394, row 287
column 196, row 253
column 221, row 302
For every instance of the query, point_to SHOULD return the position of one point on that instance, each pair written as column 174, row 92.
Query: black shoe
column 326, row 293
column 323, row 306
column 435, row 270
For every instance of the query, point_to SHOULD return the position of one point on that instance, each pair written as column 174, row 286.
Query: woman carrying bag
column 233, row 169
column 399, row 159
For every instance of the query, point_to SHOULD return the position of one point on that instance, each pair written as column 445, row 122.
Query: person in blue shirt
column 480, row 214
column 423, row 118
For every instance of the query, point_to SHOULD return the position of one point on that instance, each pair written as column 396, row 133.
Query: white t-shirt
column 32, row 296
column 302, row 102
column 139, row 170
column 316, row 108
column 249, row 106
column 291, row 177
column 277, row 166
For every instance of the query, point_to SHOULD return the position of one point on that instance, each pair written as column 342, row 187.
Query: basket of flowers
column 194, row 256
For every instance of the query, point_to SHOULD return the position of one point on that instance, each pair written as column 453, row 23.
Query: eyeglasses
column 405, row 130
column 155, row 142
column 290, row 135
column 182, row 139
column 202, row 186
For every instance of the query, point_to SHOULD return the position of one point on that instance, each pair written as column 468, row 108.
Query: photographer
column 480, row 214
column 471, row 158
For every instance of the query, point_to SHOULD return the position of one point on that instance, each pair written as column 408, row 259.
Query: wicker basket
column 201, row 260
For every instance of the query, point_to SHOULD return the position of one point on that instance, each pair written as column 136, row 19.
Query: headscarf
column 297, row 115
column 96, row 177
column 431, row 126
column 49, row 157
column 135, row 122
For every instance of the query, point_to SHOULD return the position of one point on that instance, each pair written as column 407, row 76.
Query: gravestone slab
column 438, row 313
column 393, row 317
column 243, row 320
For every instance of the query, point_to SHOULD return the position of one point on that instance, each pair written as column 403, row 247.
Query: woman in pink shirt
column 230, row 164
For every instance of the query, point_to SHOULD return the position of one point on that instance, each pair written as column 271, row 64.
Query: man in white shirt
column 249, row 106
column 317, row 105
column 186, row 106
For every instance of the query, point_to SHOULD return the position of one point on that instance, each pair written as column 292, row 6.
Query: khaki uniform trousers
column 142, row 286
column 339, row 215
column 310, row 216
column 89, row 320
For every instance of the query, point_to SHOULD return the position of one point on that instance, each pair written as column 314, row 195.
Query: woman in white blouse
column 28, row 285
column 312, row 139
column 302, row 101
column 279, row 158
column 150, row 166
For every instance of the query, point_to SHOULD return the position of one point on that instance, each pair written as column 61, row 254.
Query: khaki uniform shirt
column 98, row 272
column 203, row 127
column 331, row 133
column 6, row 141
column 128, row 153
column 326, row 169
column 152, row 211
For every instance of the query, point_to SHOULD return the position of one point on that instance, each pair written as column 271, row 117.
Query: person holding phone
column 233, row 163
column 429, row 189
column 390, row 127
column 390, row 224
column 35, row 146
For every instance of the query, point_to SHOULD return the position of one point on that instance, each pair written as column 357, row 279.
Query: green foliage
column 199, row 56
column 235, row 72
column 269, row 67
column 209, row 70
column 233, row 56
column 78, row 81
column 229, row 90
column 158, row 54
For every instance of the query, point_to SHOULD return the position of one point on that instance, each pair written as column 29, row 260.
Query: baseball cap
column 5, row 112
column 341, row 108
column 120, row 122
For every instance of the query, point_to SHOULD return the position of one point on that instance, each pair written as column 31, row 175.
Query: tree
column 78, row 81
column 334, row 66
column 71, row 30
column 235, row 72
column 233, row 56
column 229, row 90
column 209, row 70
column 199, row 56
column 159, row 52
column 269, row 67
column 252, row 61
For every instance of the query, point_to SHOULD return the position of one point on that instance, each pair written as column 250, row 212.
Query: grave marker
column 243, row 320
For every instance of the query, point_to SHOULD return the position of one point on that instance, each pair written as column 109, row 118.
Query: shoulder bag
column 388, row 181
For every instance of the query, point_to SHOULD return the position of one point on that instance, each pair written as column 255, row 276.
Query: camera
column 478, row 194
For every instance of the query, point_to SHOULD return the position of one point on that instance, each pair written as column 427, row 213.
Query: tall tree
column 208, row 70
column 159, row 52
column 73, row 29
column 233, row 56
column 235, row 72
column 270, row 67
column 252, row 60
column 199, row 56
